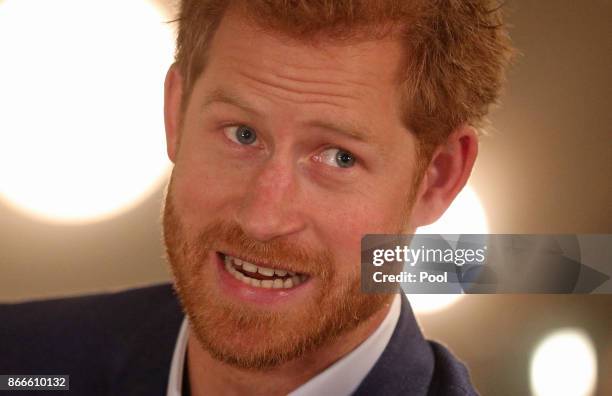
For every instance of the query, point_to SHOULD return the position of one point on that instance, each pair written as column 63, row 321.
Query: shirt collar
column 341, row 378
column 175, row 380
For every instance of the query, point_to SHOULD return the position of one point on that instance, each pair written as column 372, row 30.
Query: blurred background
column 83, row 168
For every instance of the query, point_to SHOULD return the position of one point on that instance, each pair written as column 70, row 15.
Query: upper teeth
column 231, row 263
column 250, row 267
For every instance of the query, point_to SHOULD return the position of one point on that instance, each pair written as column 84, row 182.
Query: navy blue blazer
column 122, row 344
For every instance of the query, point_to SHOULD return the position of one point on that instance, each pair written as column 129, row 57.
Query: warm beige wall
column 547, row 168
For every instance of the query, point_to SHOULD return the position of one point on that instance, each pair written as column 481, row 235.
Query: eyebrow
column 347, row 129
column 221, row 96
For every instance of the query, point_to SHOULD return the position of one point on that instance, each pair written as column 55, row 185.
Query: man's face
column 289, row 154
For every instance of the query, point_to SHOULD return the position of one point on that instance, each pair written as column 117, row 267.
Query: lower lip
column 257, row 295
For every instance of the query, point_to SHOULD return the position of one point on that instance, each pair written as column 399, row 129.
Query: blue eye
column 241, row 134
column 337, row 157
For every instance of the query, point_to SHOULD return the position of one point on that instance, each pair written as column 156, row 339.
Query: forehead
column 375, row 60
column 350, row 86
column 344, row 67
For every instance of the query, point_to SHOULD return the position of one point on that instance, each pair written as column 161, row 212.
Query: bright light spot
column 465, row 216
column 81, row 131
column 564, row 363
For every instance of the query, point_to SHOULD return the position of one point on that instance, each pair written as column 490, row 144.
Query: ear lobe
column 173, row 93
column 446, row 175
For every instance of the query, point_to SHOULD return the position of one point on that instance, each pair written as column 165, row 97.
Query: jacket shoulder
column 88, row 336
column 93, row 314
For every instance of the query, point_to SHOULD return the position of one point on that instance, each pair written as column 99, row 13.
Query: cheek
column 343, row 225
column 204, row 188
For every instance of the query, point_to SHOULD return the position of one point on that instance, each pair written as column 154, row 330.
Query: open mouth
column 259, row 276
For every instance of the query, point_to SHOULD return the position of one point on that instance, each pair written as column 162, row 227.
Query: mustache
column 229, row 238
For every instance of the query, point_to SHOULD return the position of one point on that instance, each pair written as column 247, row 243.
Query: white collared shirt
column 341, row 378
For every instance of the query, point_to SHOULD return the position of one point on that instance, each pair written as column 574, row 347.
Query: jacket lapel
column 406, row 366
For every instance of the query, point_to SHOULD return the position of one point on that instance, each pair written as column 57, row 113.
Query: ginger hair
column 455, row 51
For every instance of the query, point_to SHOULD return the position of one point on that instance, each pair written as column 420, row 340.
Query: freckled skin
column 279, row 191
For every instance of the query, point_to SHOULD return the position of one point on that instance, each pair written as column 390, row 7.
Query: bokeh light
column 564, row 363
column 466, row 215
column 81, row 131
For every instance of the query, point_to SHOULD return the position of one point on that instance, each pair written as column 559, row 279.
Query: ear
column 173, row 93
column 446, row 174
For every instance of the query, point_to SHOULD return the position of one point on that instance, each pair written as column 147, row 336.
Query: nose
column 271, row 207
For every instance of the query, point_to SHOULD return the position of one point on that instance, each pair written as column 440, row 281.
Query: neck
column 210, row 376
